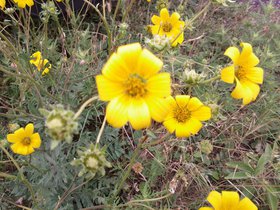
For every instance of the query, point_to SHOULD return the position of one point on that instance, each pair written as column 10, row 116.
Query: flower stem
column 127, row 172
column 100, row 131
column 210, row 80
column 79, row 112
column 24, row 180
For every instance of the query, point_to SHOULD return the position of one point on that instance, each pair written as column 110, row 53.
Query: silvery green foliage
column 92, row 160
column 60, row 124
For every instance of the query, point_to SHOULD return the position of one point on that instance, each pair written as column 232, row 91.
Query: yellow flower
column 131, row 82
column 40, row 63
column 170, row 26
column 185, row 115
column 148, row 0
column 59, row 0
column 244, row 72
column 24, row 140
column 228, row 200
column 2, row 4
column 23, row 3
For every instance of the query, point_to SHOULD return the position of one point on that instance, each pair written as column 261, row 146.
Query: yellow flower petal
column 21, row 149
column 164, row 14
column 156, row 30
column 130, row 54
column 20, row 133
column 158, row 108
column 194, row 104
column 29, row 129
column 215, row 199
column 177, row 39
column 206, row 208
column 174, row 18
column 2, row 4
column 193, row 125
column 159, row 85
column 113, row 67
column 182, row 100
column 233, row 53
column 13, row 138
column 148, row 60
column 139, row 114
column 171, row 102
column 170, row 124
column 182, row 131
column 254, row 88
column 247, row 204
column 242, row 92
column 203, row 113
column 255, row 74
column 156, row 20
column 108, row 89
column 116, row 112
column 230, row 200
column 247, row 57
column 35, row 140
column 227, row 74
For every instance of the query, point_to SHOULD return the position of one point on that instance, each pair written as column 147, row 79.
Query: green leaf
column 238, row 175
column 241, row 165
column 264, row 159
column 272, row 200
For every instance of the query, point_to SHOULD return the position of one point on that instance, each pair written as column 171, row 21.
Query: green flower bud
column 60, row 124
column 92, row 160
column 191, row 77
column 158, row 42
column 206, row 147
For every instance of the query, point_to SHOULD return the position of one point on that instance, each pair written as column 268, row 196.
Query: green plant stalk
column 127, row 172
column 84, row 105
column 24, row 180
column 210, row 80
column 116, row 10
column 107, row 28
column 128, row 10
column 100, row 132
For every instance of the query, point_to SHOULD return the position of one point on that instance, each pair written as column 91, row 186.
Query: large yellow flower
column 185, row 115
column 244, row 72
column 131, row 82
column 23, row 3
column 24, row 140
column 228, row 200
column 170, row 26
column 37, row 60
column 2, row 4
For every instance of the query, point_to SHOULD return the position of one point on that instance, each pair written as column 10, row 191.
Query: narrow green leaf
column 241, row 165
column 273, row 201
column 264, row 159
column 238, row 175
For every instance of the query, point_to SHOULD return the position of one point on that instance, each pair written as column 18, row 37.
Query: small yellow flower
column 148, row 0
column 23, row 3
column 228, row 200
column 135, row 90
column 24, row 140
column 185, row 115
column 37, row 60
column 59, row 0
column 2, row 4
column 244, row 72
column 169, row 26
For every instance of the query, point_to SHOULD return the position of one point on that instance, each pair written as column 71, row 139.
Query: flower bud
column 191, row 77
column 60, row 124
column 92, row 160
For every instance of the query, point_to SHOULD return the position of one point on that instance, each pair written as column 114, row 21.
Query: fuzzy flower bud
column 60, row 124
column 158, row 42
column 206, row 147
column 92, row 160
column 191, row 77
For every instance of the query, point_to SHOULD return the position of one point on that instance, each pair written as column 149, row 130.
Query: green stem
column 210, row 80
column 24, row 180
column 127, row 10
column 84, row 105
column 107, row 28
column 100, row 132
column 127, row 172
column 116, row 10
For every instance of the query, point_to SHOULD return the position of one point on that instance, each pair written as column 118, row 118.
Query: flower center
column 26, row 141
column 166, row 27
column 181, row 114
column 136, row 86
column 240, row 72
